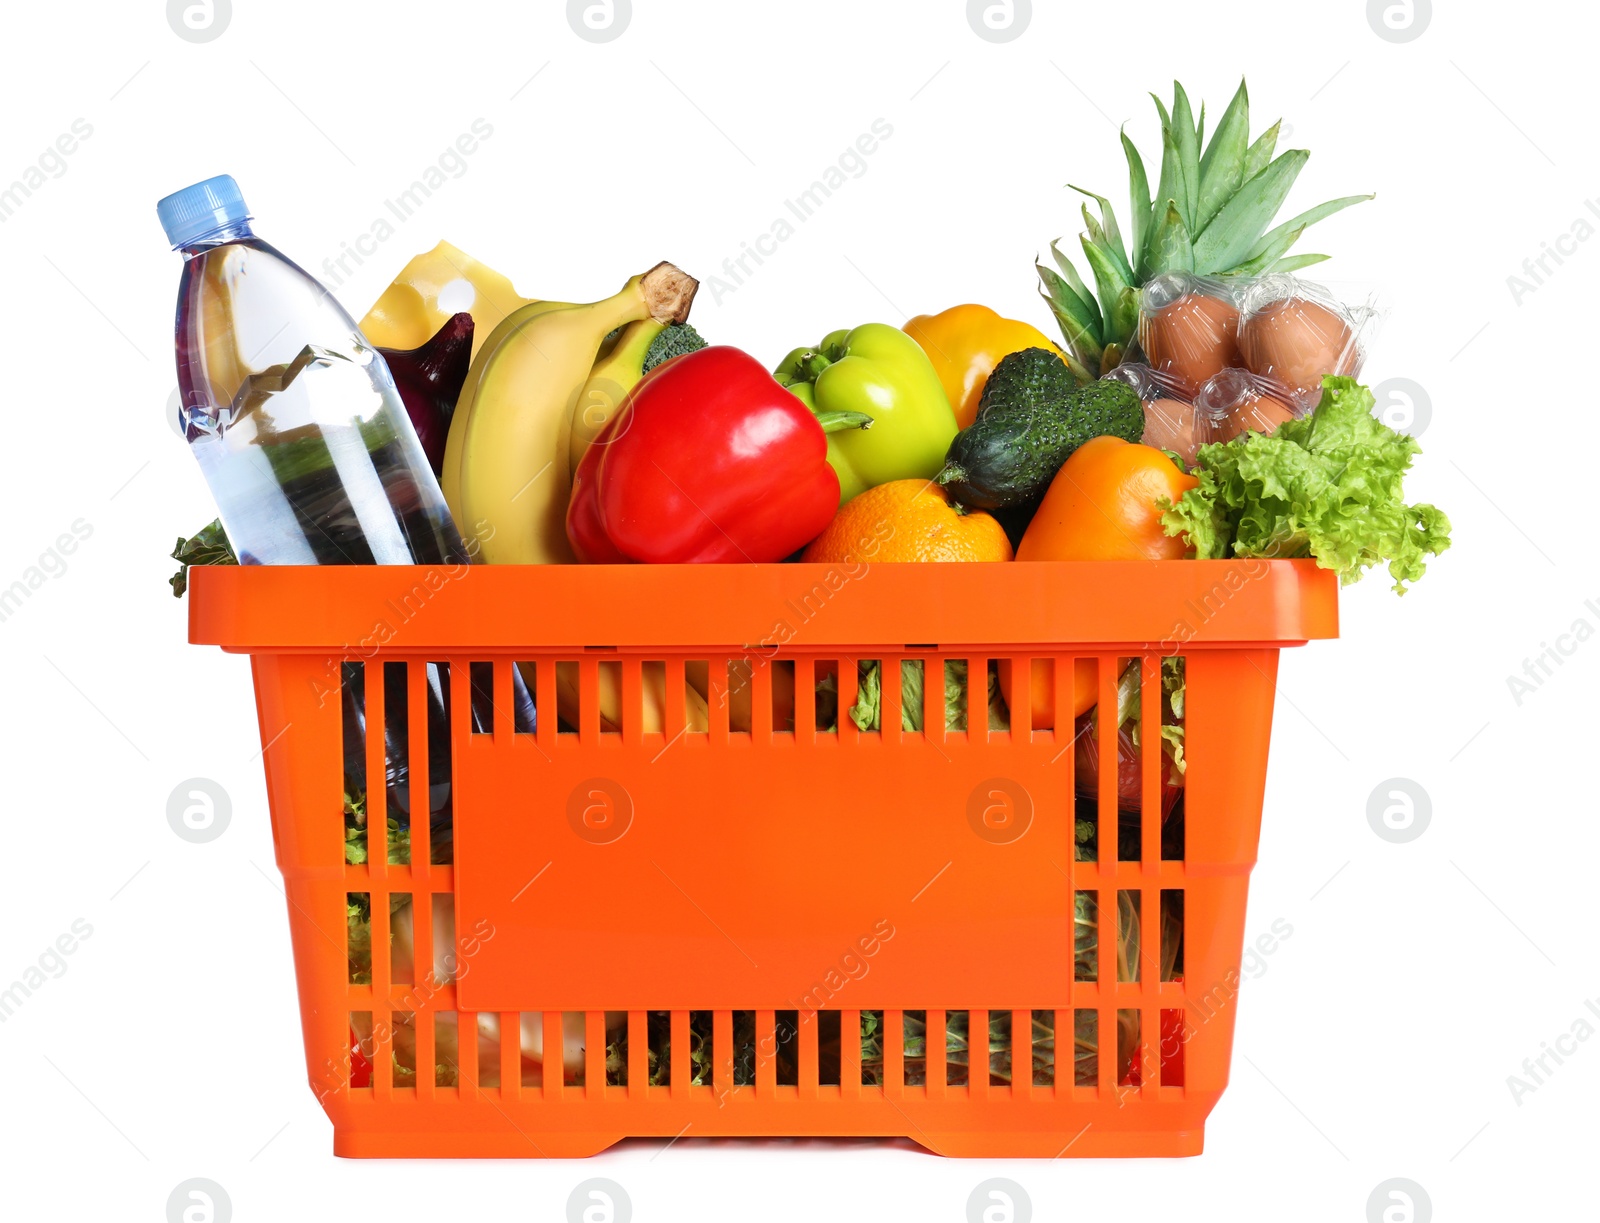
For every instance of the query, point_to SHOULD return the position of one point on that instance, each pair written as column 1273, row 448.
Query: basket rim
column 363, row 610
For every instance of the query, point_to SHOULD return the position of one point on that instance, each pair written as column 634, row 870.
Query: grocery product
column 1187, row 330
column 1032, row 417
column 1237, row 353
column 429, row 289
column 461, row 418
column 965, row 343
column 882, row 371
column 673, row 340
column 293, row 415
column 429, row 379
column 1169, row 414
column 1170, row 694
column 208, row 546
column 617, row 369
column 708, row 460
column 908, row 520
column 1105, row 504
column 1293, row 334
column 1235, row 401
column 1329, row 486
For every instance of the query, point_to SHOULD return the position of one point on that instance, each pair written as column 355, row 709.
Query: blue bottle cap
column 201, row 209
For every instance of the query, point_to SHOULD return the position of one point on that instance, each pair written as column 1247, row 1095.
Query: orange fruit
column 908, row 520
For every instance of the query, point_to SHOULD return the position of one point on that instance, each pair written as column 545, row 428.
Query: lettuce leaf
column 209, row 546
column 867, row 712
column 1328, row 486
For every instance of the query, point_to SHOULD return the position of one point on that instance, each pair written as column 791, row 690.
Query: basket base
column 1155, row 1144
column 1119, row 1144
column 454, row 1144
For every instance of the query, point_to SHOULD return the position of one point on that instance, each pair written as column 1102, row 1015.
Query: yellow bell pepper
column 431, row 288
column 965, row 343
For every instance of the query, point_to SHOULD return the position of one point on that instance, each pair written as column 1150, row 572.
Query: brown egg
column 1169, row 425
column 1294, row 342
column 1191, row 338
column 1259, row 414
column 1233, row 401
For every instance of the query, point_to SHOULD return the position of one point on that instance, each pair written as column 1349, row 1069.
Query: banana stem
column 668, row 292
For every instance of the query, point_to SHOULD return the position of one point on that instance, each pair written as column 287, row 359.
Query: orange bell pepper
column 1105, row 504
column 1042, row 691
column 965, row 343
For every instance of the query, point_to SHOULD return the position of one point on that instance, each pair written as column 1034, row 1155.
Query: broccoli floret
column 674, row 340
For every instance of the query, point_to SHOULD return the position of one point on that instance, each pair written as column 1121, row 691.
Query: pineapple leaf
column 1128, row 308
column 1079, row 320
column 1200, row 126
column 1295, row 262
column 1161, row 109
column 1222, row 164
column 1186, row 137
column 1259, row 154
column 1117, row 323
column 1268, row 251
column 1297, row 224
column 1138, row 200
column 1107, row 237
column 1070, row 272
column 1241, row 222
column 1170, row 247
column 1170, row 187
column 1085, row 321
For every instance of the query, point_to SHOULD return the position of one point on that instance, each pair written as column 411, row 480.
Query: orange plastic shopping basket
column 732, row 910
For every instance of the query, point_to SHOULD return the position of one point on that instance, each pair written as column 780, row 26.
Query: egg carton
column 1213, row 358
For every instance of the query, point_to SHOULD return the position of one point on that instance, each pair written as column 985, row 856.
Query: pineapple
column 1209, row 216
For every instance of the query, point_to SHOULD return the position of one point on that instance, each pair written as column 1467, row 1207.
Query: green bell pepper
column 882, row 371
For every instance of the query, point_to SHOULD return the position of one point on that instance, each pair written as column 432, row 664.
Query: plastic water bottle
column 306, row 443
column 293, row 416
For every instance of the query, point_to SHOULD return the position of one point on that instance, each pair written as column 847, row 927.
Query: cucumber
column 1032, row 416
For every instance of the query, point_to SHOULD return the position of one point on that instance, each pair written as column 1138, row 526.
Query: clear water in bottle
column 293, row 416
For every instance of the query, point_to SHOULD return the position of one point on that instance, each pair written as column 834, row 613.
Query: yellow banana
column 653, row 696
column 653, row 704
column 615, row 373
column 514, row 478
column 456, row 440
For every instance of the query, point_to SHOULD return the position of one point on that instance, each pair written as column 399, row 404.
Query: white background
column 1378, row 1040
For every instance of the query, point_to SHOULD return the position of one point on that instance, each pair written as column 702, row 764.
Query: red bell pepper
column 708, row 460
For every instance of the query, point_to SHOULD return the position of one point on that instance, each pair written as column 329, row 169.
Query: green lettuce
column 867, row 712
column 209, row 546
column 1328, row 486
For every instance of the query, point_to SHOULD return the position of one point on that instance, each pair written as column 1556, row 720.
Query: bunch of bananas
column 540, row 387
column 533, row 400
